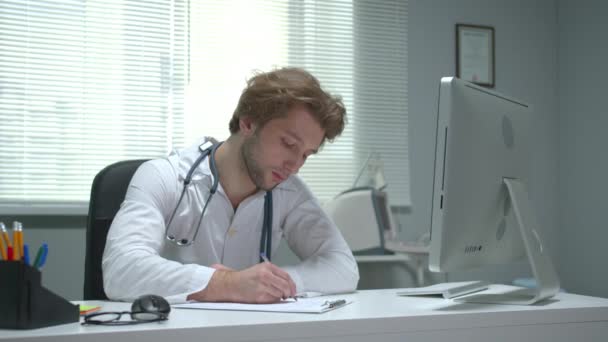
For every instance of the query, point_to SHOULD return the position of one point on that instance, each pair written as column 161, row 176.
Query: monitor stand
column 546, row 279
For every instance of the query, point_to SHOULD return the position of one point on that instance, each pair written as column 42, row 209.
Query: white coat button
column 231, row 232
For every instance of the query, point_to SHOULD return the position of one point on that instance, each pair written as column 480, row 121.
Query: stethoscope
column 208, row 150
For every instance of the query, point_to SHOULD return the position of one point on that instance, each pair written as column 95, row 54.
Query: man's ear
column 247, row 126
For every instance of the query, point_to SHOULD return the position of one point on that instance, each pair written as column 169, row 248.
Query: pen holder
column 26, row 304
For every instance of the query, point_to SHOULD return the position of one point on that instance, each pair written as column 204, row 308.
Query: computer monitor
column 481, row 214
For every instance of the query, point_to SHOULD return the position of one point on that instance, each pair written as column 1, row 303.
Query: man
column 282, row 118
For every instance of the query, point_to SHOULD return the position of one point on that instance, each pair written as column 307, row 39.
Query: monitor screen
column 480, row 212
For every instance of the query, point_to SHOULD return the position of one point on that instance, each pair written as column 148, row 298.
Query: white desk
column 375, row 315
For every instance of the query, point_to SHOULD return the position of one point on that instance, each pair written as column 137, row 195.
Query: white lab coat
column 138, row 259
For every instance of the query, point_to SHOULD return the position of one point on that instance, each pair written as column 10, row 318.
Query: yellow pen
column 16, row 241
column 2, row 239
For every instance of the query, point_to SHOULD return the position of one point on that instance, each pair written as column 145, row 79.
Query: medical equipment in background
column 364, row 217
column 363, row 213
column 375, row 172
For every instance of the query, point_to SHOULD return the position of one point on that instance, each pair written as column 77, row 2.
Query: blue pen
column 26, row 254
column 263, row 256
column 45, row 251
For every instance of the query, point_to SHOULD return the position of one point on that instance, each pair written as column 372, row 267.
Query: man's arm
column 328, row 265
column 261, row 283
column 132, row 265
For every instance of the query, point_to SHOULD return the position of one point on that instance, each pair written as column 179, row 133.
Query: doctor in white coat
column 192, row 224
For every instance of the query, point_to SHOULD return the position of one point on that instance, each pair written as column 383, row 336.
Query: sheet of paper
column 303, row 305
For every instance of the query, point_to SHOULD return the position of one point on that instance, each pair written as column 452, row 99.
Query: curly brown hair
column 270, row 95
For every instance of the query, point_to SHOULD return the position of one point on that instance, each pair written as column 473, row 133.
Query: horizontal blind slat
column 89, row 83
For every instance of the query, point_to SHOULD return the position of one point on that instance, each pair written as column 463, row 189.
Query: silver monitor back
column 482, row 138
column 481, row 213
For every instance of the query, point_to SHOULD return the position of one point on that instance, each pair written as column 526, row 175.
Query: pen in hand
column 263, row 256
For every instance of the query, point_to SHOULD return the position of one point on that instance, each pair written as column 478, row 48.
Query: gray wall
column 583, row 164
column 526, row 68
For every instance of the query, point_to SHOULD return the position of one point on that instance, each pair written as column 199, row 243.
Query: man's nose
column 293, row 164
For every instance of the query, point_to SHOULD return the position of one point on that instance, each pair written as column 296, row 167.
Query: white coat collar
column 187, row 157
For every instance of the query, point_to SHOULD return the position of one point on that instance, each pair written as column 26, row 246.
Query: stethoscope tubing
column 209, row 151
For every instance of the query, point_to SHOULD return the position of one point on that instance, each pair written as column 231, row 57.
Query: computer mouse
column 150, row 307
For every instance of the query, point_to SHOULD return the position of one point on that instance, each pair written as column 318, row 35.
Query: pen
column 9, row 253
column 263, row 256
column 38, row 255
column 45, row 252
column 335, row 303
column 26, row 254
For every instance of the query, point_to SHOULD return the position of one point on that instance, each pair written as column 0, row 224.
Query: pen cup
column 26, row 304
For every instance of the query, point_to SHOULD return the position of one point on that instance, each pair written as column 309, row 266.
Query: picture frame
column 475, row 54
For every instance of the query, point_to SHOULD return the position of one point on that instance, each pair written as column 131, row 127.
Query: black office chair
column 107, row 193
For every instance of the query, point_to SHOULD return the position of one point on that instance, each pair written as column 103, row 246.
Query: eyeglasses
column 113, row 318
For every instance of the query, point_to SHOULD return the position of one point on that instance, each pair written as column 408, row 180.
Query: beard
column 253, row 168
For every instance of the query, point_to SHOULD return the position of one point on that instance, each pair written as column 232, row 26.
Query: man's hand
column 221, row 267
column 261, row 283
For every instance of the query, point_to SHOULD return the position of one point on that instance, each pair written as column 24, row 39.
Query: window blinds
column 84, row 83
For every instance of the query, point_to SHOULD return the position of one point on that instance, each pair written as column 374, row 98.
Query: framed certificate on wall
column 475, row 54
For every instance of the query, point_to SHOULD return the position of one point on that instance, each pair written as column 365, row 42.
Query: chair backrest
column 107, row 193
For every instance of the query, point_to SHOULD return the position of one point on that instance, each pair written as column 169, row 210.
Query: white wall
column 526, row 68
column 583, row 143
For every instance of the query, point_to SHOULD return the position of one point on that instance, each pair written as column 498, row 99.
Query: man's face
column 277, row 150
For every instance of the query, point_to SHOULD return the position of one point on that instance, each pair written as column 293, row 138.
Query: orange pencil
column 3, row 249
column 20, row 246
column 6, row 240
column 5, row 237
column 16, row 243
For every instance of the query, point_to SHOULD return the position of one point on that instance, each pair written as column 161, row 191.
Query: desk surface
column 378, row 315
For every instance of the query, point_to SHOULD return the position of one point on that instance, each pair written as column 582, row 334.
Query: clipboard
column 302, row 305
